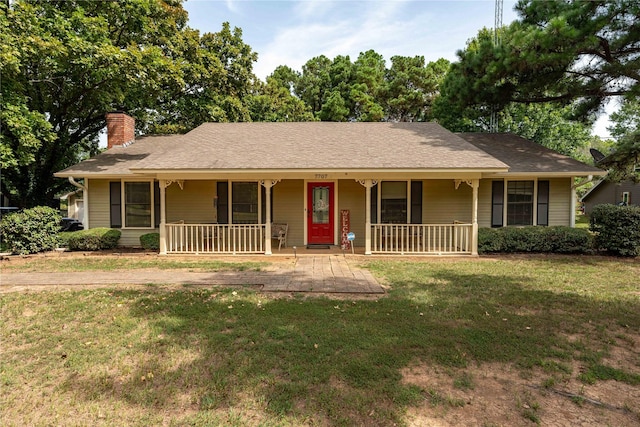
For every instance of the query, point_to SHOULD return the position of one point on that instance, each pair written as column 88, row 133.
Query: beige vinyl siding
column 351, row 196
column 559, row 201
column 193, row 203
column 288, row 207
column 443, row 204
column 99, row 204
column 484, row 203
column 131, row 237
column 99, row 214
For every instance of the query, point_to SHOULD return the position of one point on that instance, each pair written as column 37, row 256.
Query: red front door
column 320, row 213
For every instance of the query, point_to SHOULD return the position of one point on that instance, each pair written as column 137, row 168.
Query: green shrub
column 617, row 229
column 567, row 240
column 31, row 230
column 555, row 239
column 63, row 238
column 490, row 240
column 150, row 241
column 94, row 239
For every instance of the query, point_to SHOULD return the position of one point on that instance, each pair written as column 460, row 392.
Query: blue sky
column 292, row 32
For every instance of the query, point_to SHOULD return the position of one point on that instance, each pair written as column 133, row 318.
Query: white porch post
column 572, row 213
column 163, row 217
column 267, row 184
column 474, row 217
column 367, row 184
column 85, row 201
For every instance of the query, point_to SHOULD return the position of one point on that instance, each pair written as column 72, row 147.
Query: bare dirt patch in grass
column 498, row 395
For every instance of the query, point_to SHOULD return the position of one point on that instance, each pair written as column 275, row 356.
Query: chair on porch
column 279, row 231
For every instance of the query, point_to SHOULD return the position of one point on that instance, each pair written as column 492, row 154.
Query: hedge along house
column 408, row 188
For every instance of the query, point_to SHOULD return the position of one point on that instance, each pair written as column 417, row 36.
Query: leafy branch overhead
column 577, row 53
column 65, row 64
column 558, row 51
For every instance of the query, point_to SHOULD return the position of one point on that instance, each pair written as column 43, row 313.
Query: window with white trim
column 244, row 202
column 625, row 198
column 518, row 203
column 138, row 202
column 393, row 202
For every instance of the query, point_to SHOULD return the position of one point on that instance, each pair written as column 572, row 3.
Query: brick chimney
column 121, row 129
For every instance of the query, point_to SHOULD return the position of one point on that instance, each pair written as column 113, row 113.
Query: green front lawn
column 236, row 357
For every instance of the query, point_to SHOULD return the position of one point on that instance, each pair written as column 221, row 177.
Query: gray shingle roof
column 321, row 145
column 524, row 156
column 327, row 146
column 119, row 160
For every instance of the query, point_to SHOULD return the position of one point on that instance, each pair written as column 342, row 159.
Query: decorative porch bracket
column 457, row 182
column 267, row 184
column 367, row 184
column 168, row 182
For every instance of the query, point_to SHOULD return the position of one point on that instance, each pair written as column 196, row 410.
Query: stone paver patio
column 326, row 274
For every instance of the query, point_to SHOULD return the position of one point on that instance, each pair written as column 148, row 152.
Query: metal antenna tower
column 497, row 25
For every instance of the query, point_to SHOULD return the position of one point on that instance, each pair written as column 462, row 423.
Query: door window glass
column 321, row 205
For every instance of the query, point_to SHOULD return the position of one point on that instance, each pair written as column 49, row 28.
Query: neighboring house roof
column 527, row 157
column 327, row 146
column 606, row 185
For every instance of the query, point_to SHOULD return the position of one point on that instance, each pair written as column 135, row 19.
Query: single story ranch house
column 406, row 188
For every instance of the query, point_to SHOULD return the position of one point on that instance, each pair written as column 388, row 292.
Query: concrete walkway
column 327, row 274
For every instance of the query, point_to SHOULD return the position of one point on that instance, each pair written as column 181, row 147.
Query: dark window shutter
column 115, row 204
column 497, row 203
column 543, row 202
column 374, row 203
column 416, row 202
column 156, row 204
column 223, row 202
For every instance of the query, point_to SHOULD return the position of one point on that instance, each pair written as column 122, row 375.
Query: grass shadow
column 305, row 359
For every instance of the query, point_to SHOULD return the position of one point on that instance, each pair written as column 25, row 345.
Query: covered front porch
column 427, row 239
column 387, row 216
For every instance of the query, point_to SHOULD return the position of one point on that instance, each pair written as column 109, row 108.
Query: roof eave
column 564, row 174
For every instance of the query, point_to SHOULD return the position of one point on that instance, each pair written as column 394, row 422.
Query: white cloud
column 380, row 26
column 232, row 5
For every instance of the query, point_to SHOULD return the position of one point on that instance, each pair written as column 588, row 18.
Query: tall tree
column 624, row 159
column 557, row 51
column 411, row 87
column 65, row 63
column 367, row 90
column 274, row 102
column 314, row 84
column 579, row 52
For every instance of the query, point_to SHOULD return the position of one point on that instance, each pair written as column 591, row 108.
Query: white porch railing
column 421, row 238
column 215, row 238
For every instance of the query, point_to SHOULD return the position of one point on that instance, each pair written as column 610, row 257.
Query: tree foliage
column 571, row 52
column 557, row 51
column 64, row 64
column 366, row 90
column 547, row 124
column 623, row 161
